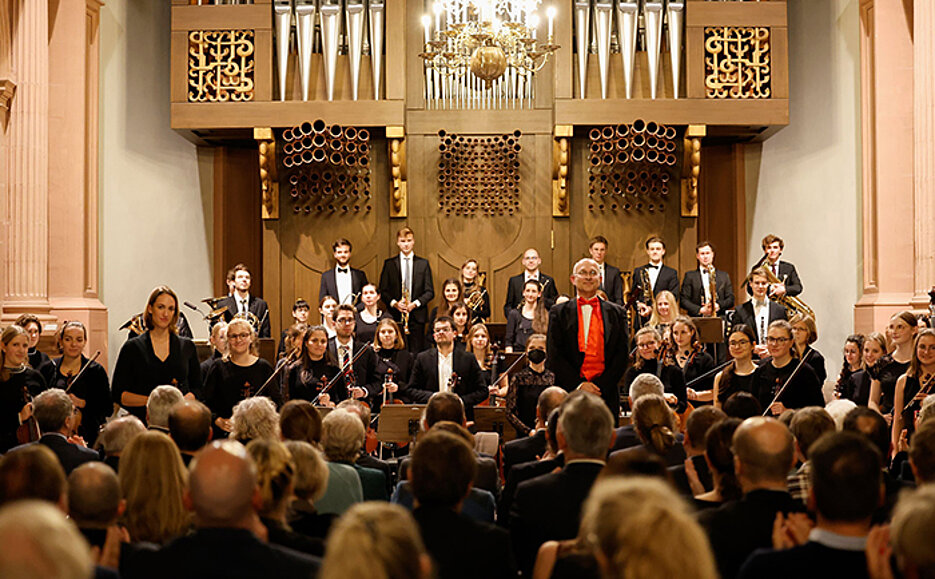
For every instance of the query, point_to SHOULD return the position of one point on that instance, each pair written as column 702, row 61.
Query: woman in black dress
column 461, row 315
column 90, row 392
column 477, row 342
column 853, row 349
column 857, row 386
column 392, row 355
column 738, row 375
column 237, row 376
column 33, row 327
column 652, row 358
column 915, row 385
column 804, row 334
column 528, row 319
column 693, row 360
column 526, row 386
column 474, row 292
column 803, row 390
column 368, row 318
column 452, row 295
column 158, row 356
column 18, row 384
column 314, row 370
column 901, row 333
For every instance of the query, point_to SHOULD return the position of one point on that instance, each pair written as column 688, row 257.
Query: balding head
column 190, row 425
column 222, row 486
column 93, row 495
column 645, row 384
column 549, row 399
column 763, row 453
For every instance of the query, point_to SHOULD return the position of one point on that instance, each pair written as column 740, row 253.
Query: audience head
column 39, row 542
column 442, row 469
column 275, row 471
column 655, row 423
column 926, row 412
column 395, row 552
column 359, row 409
column 190, row 425
column 300, row 420
column 160, row 400
column 311, row 472
column 808, row 425
column 871, row 424
column 911, row 532
column 254, row 418
column 585, row 427
column 846, row 477
column 922, row 453
column 645, row 384
column 223, row 489
column 444, row 406
column 117, row 434
column 153, row 478
column 549, row 399
column 624, row 519
column 342, row 436
column 551, row 430
column 32, row 472
column 636, row 462
column 838, row 410
column 764, row 451
column 94, row 498
column 720, row 458
column 742, row 405
column 699, row 422
column 53, row 410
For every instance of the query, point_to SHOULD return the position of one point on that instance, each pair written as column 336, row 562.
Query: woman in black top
column 18, row 384
column 90, row 393
column 477, row 342
column 901, row 332
column 646, row 361
column 857, row 386
column 915, row 385
column 738, row 375
column 530, row 318
column 158, row 356
column 803, row 390
column 804, row 334
column 314, row 370
column 472, row 287
column 237, row 376
column 33, row 327
column 392, row 355
column 693, row 360
column 365, row 327
column 853, row 353
column 452, row 294
column 526, row 386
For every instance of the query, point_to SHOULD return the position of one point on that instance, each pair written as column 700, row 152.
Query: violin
column 28, row 431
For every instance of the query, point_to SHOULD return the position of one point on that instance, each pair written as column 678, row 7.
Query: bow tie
column 651, row 266
column 342, row 270
column 593, row 302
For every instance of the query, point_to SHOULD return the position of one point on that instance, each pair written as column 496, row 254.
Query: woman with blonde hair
column 387, row 534
column 311, row 483
column 858, row 385
column 18, row 382
column 917, row 384
column 665, row 310
column 901, row 333
column 655, row 424
column 804, row 334
column 153, row 479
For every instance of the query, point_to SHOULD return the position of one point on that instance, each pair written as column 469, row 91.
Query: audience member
column 115, row 437
column 529, row 448
column 342, row 437
column 637, row 462
column 32, row 472
column 254, row 418
column 696, row 428
column 300, row 420
column 838, row 409
column 189, row 427
column 807, row 426
column 158, row 404
column 54, row 413
column 311, row 480
column 644, row 384
column 742, row 405
column 719, row 457
column 657, row 427
column 922, row 453
column 95, row 502
column 552, row 460
column 911, row 536
column 362, row 411
column 39, row 542
column 870, row 423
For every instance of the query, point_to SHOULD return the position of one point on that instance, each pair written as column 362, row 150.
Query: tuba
column 792, row 304
column 475, row 299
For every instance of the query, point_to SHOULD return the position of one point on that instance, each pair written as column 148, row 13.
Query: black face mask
column 536, row 356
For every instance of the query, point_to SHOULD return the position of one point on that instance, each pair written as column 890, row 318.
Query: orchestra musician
column 218, row 342
column 33, row 327
column 803, row 390
column 477, row 342
column 18, row 384
column 326, row 308
column 805, row 333
column 691, row 358
column 790, row 285
column 90, row 393
column 759, row 311
column 452, row 294
column 315, row 368
column 901, row 333
column 242, row 304
column 587, row 339
column 514, row 290
column 696, row 286
column 300, row 311
column 475, row 291
column 158, row 356
column 661, row 277
column 531, row 318
column 434, row 368
column 406, row 286
column 392, row 353
column 611, row 282
column 461, row 316
column 853, row 347
column 369, row 315
column 342, row 282
column 738, row 375
column 237, row 376
column 914, row 386
column 857, row 386
column 665, row 311
column 652, row 357
column 527, row 384
column 344, row 349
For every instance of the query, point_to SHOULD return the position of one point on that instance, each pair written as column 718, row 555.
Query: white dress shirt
column 705, row 283
column 445, row 368
column 653, row 271
column 343, row 282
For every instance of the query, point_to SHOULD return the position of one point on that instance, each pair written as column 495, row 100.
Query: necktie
column 651, row 266
column 243, row 306
column 342, row 353
column 342, row 270
column 407, row 275
column 776, row 269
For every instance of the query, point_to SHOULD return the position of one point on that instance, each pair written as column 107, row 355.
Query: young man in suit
column 434, row 368
column 514, row 290
column 344, row 348
column 342, row 282
column 759, row 311
column 661, row 276
column 611, row 282
column 791, row 284
column 587, row 339
column 696, row 287
column 413, row 274
column 241, row 302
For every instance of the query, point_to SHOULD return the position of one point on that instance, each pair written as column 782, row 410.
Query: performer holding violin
column 692, row 359
column 18, row 384
column 392, row 355
column 915, row 385
column 655, row 357
column 307, row 377
column 355, row 358
column 84, row 380
column 802, row 390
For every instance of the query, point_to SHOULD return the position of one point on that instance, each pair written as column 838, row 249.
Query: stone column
column 923, row 21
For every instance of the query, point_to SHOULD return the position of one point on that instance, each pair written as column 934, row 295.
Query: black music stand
column 711, row 331
column 494, row 419
column 399, row 423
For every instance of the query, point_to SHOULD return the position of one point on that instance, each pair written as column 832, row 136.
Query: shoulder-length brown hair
column 915, row 367
column 153, row 296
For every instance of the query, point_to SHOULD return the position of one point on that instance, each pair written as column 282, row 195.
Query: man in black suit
column 223, row 494
column 435, row 369
column 514, row 290
column 344, row 348
column 55, row 414
column 552, row 461
column 342, row 282
column 696, row 287
column 411, row 275
column 846, row 488
column 611, row 282
column 764, row 452
column 529, row 448
column 661, row 276
column 791, row 284
column 548, row 507
column 442, row 470
column 241, row 302
column 587, row 339
column 759, row 311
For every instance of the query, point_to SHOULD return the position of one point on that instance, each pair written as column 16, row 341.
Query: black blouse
column 804, row 390
column 12, row 400
column 37, row 359
column 303, row 383
column 912, row 388
column 523, row 395
column 482, row 313
column 698, row 364
column 93, row 387
column 856, row 387
column 671, row 376
column 817, row 362
column 139, row 371
column 227, row 384
column 736, row 383
column 518, row 330
column 399, row 361
column 364, row 332
column 888, row 375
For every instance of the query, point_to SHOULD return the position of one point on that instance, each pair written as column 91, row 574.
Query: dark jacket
column 744, row 314
column 329, row 286
column 391, row 287
column 423, row 382
column 693, row 293
column 70, row 455
column 514, row 292
column 255, row 306
column 668, row 279
column 462, row 547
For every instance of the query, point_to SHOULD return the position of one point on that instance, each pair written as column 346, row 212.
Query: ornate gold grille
column 220, row 65
column 737, row 62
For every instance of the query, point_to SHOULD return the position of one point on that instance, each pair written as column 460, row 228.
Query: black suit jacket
column 564, row 358
column 744, row 315
column 524, row 449
column 548, row 508
column 680, row 479
column 365, row 368
column 692, row 294
column 70, row 455
column 521, row 473
column 612, row 284
column 329, row 287
column 787, row 272
column 255, row 306
column 423, row 382
column 809, row 560
column 625, row 437
column 514, row 292
column 462, row 547
column 391, row 287
column 668, row 279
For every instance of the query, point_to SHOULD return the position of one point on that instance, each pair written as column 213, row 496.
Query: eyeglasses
column 345, row 320
column 589, row 273
column 237, row 336
column 772, row 340
column 734, row 343
column 647, row 345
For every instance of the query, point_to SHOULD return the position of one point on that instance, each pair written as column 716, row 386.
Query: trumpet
column 405, row 315
column 476, row 298
column 792, row 304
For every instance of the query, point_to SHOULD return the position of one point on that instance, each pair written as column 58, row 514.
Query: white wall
column 156, row 185
column 803, row 183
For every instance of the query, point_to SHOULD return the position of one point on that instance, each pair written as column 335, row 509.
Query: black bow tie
column 651, row 266
column 342, row 270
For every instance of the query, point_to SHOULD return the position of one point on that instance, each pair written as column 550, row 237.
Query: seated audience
column 189, row 427
column 807, row 426
column 552, row 459
column 870, row 423
column 95, row 502
column 342, row 437
column 527, row 448
column 625, row 436
column 115, row 437
column 32, row 472
column 838, row 409
column 922, row 453
column 845, row 490
column 696, row 428
column 910, row 535
column 54, row 413
column 254, row 418
column 300, row 420
column 311, row 480
column 657, row 427
column 39, row 542
column 362, row 411
column 637, row 462
column 742, row 405
column 160, row 400
column 443, row 468
column 719, row 457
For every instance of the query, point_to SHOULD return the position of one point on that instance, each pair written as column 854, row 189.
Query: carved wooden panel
column 737, row 62
column 220, row 65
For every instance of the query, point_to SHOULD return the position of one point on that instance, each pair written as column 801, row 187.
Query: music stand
column 267, row 348
column 493, row 419
column 710, row 331
column 399, row 423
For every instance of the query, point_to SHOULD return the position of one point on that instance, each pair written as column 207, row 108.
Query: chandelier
column 489, row 39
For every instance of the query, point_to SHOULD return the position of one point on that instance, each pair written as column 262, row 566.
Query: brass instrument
column 646, row 286
column 792, row 304
column 405, row 315
column 476, row 298
column 250, row 318
column 541, row 292
column 712, row 288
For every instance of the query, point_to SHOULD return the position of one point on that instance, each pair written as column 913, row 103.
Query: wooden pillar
column 923, row 131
